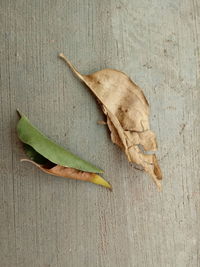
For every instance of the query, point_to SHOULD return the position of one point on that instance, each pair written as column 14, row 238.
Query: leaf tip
column 158, row 184
column 19, row 112
column 96, row 179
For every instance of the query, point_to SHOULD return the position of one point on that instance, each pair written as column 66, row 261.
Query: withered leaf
column 127, row 111
column 54, row 159
column 65, row 172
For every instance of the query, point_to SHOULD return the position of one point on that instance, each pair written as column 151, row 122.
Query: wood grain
column 47, row 221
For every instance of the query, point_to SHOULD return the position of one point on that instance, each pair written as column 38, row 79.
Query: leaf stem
column 61, row 55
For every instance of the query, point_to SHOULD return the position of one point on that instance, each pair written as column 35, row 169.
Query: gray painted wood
column 48, row 221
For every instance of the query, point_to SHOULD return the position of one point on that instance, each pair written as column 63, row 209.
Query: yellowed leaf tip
column 96, row 179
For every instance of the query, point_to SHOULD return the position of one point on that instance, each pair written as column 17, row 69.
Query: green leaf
column 49, row 150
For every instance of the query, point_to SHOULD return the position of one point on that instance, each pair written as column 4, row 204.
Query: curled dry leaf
column 54, row 159
column 72, row 173
column 127, row 111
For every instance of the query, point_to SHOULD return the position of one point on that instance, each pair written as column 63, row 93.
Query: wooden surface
column 50, row 222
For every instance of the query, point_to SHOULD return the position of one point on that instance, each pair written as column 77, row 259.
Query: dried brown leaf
column 127, row 111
